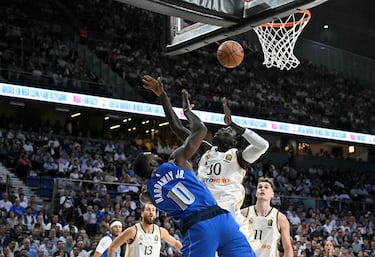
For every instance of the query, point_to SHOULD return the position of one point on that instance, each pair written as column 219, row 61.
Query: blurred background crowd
column 89, row 180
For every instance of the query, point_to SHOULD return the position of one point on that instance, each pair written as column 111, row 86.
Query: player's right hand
column 153, row 85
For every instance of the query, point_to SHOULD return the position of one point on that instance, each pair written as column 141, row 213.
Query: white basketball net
column 279, row 37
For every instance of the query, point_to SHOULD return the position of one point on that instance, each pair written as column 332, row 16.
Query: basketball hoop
column 279, row 37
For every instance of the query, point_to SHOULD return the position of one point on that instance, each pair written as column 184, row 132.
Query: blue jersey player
column 174, row 188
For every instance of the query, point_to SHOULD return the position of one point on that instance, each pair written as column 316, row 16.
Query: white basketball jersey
column 223, row 177
column 144, row 244
column 265, row 234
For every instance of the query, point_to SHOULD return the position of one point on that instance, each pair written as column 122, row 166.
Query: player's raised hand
column 227, row 112
column 185, row 101
column 153, row 85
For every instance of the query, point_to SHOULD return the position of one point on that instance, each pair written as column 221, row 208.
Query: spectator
column 27, row 248
column 4, row 236
column 329, row 249
column 28, row 218
column 28, row 148
column 17, row 208
column 46, row 213
column 50, row 167
column 85, row 238
column 67, row 205
column 23, row 166
column 24, row 202
column 350, row 252
column 129, row 202
column 69, row 244
column 71, row 228
column 11, row 248
column 54, row 223
column 90, row 221
column 37, row 233
column 12, row 219
column 104, row 224
column 5, row 203
column 295, row 221
column 78, row 250
column 357, row 244
column 60, row 251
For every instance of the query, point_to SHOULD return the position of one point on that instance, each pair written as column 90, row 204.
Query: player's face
column 225, row 136
column 264, row 190
column 145, row 164
column 116, row 230
column 149, row 214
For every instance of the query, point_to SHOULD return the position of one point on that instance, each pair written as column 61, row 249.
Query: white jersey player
column 264, row 232
column 144, row 239
column 145, row 244
column 223, row 171
column 267, row 224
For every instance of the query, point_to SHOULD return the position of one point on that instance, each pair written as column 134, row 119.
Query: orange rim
column 291, row 23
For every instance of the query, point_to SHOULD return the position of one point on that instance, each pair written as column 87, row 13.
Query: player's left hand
column 153, row 85
column 227, row 112
column 144, row 196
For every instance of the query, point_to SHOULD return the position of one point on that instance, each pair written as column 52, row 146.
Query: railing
column 41, row 80
column 280, row 201
column 284, row 201
column 5, row 184
column 102, row 188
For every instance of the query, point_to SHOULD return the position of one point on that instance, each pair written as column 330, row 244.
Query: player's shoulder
column 161, row 229
column 106, row 239
column 281, row 216
column 231, row 154
column 132, row 230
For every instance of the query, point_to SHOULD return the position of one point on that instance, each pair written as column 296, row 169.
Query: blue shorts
column 219, row 234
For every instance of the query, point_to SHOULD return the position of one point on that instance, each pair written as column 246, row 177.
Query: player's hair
column 141, row 165
column 268, row 180
column 143, row 206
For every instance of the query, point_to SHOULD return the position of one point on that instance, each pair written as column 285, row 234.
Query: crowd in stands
column 37, row 48
column 121, row 38
column 342, row 212
column 117, row 34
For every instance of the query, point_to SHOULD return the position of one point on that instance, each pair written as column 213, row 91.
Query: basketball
column 230, row 54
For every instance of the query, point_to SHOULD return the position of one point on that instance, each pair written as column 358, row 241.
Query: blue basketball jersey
column 178, row 192
column 118, row 250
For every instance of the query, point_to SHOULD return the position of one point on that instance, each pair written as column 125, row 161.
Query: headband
column 116, row 223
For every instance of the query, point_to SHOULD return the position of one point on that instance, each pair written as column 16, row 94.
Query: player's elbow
column 264, row 146
column 203, row 130
column 180, row 132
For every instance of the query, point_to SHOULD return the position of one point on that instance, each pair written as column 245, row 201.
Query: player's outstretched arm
column 284, row 227
column 183, row 154
column 257, row 144
column 170, row 239
column 175, row 123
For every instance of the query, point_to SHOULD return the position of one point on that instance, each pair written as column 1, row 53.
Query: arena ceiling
column 351, row 26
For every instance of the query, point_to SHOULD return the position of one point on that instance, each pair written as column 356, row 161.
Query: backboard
column 191, row 24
